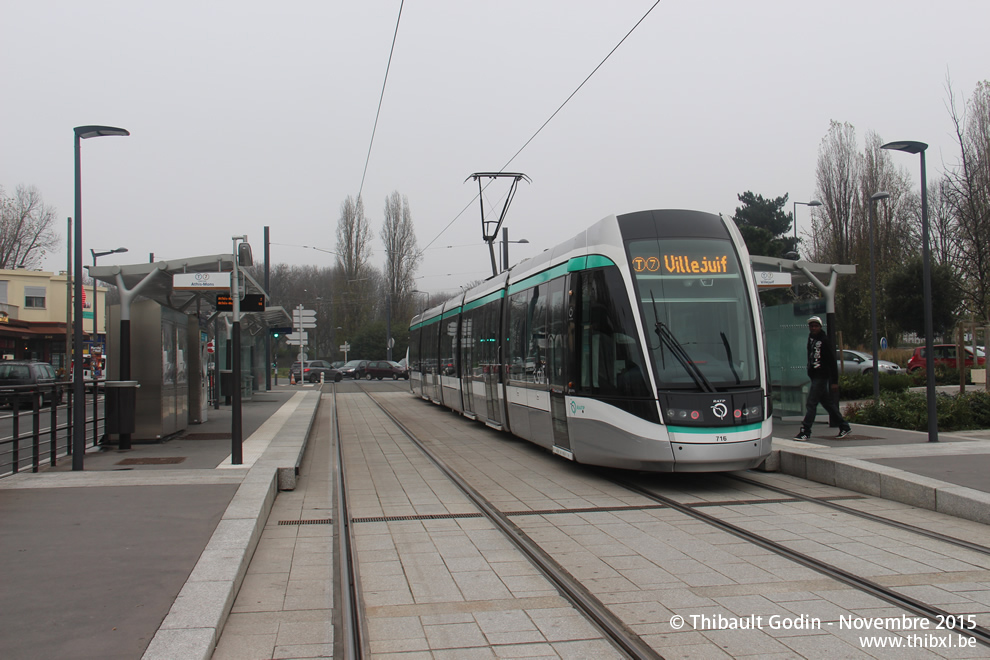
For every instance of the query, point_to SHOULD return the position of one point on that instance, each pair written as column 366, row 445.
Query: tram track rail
column 830, row 503
column 913, row 605
column 604, row 619
column 613, row 628
column 353, row 640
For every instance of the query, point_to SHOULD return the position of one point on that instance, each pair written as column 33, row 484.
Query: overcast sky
column 246, row 114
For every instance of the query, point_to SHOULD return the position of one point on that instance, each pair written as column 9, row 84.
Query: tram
column 637, row 344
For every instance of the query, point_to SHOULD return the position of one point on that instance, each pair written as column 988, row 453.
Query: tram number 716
column 721, row 438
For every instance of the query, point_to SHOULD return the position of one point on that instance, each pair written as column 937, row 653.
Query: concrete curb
column 192, row 628
column 819, row 464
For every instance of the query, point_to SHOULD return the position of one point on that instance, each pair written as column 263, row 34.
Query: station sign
column 201, row 281
column 768, row 279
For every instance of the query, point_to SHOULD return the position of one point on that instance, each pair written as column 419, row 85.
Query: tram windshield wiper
column 728, row 355
column 677, row 349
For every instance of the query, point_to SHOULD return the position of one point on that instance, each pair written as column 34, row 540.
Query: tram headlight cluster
column 717, row 416
column 683, row 414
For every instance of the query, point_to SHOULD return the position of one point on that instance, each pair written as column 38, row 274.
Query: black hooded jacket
column 821, row 358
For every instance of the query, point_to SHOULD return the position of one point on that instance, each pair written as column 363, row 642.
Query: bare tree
column 26, row 228
column 401, row 255
column 968, row 192
column 838, row 177
column 353, row 239
column 895, row 235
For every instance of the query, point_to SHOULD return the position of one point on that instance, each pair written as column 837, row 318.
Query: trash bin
column 120, row 404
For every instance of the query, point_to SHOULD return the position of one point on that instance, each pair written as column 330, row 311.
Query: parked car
column 312, row 370
column 16, row 375
column 384, row 369
column 945, row 354
column 355, row 369
column 858, row 362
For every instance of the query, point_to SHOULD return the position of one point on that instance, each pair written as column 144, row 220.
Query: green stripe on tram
column 571, row 266
column 716, row 429
column 491, row 297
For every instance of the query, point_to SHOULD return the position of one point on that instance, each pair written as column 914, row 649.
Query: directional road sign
column 297, row 338
column 303, row 318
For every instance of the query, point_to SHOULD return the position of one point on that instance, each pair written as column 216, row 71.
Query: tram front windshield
column 696, row 309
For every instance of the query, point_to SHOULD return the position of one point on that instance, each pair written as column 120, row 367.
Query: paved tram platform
column 143, row 553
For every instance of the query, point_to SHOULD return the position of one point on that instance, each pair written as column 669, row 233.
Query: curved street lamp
column 78, row 390
column 813, row 202
column 96, row 298
column 912, row 147
column 873, row 293
column 505, row 247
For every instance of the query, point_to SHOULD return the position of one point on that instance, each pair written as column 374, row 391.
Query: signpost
column 345, row 347
column 302, row 319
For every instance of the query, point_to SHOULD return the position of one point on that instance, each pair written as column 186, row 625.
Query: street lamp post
column 505, row 247
column 873, row 293
column 813, row 202
column 96, row 298
column 919, row 148
column 425, row 293
column 236, row 429
column 78, row 389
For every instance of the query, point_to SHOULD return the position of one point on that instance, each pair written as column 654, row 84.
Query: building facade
column 35, row 315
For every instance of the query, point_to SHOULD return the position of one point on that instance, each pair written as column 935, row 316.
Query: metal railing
column 25, row 439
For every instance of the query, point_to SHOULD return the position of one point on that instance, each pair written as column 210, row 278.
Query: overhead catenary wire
column 549, row 119
column 381, row 98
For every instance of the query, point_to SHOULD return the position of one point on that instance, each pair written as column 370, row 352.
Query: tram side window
column 488, row 337
column 429, row 348
column 528, row 335
column 469, row 353
column 611, row 361
column 448, row 346
column 517, row 335
column 414, row 337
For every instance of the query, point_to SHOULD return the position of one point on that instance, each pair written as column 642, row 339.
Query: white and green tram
column 636, row 344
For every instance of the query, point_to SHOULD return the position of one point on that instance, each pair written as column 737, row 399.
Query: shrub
column 860, row 386
column 909, row 410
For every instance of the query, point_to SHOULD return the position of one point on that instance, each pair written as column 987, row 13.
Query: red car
column 945, row 354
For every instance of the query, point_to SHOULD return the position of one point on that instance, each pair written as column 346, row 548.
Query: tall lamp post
column 505, row 247
column 236, row 428
column 425, row 293
column 96, row 298
column 911, row 147
column 873, row 292
column 813, row 202
column 78, row 389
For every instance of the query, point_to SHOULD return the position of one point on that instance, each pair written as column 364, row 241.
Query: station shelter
column 786, row 325
column 175, row 341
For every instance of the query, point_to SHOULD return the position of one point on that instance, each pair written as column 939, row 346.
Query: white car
column 858, row 362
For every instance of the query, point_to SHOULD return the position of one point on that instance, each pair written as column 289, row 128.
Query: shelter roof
column 796, row 267
column 159, row 286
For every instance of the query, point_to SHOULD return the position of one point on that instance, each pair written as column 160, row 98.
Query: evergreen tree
column 764, row 225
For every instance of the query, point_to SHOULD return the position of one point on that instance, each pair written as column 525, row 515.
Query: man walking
column 824, row 374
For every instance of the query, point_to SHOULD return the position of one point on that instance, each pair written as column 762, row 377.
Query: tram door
column 557, row 347
column 491, row 351
column 466, row 347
